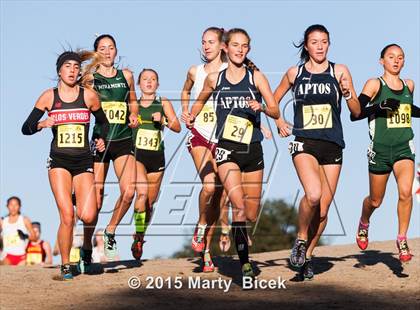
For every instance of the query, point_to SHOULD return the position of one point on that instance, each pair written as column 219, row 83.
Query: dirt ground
column 345, row 278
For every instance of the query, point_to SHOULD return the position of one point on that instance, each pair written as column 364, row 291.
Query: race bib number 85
column 115, row 111
column 317, row 116
column 71, row 135
column 207, row 117
column 238, row 129
column 148, row 139
column 400, row 118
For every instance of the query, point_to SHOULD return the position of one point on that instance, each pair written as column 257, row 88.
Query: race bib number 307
column 71, row 135
column 115, row 111
column 317, row 116
column 400, row 118
column 238, row 129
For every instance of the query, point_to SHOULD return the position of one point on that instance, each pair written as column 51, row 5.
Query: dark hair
column 304, row 55
column 16, row 198
column 386, row 48
column 67, row 56
column 228, row 35
column 103, row 36
column 220, row 32
column 37, row 224
column 147, row 69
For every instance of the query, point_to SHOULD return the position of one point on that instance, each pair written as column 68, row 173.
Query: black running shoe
column 297, row 257
column 307, row 270
column 66, row 272
column 84, row 265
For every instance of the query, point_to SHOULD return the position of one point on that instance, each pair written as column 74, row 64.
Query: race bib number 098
column 115, row 111
column 317, row 116
column 238, row 129
column 71, row 135
column 400, row 118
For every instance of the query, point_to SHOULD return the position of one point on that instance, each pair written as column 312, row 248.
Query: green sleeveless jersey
column 148, row 135
column 392, row 128
column 114, row 95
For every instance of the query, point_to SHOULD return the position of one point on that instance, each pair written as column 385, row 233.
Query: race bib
column 11, row 240
column 33, row 258
column 317, row 116
column 148, row 139
column 400, row 118
column 207, row 117
column 71, row 135
column 74, row 255
column 115, row 111
column 238, row 129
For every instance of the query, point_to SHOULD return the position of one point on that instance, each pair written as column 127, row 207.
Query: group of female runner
column 224, row 140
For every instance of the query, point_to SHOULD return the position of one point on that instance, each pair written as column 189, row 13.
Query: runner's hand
column 100, row 145
column 47, row 123
column 390, row 104
column 133, row 120
column 284, row 129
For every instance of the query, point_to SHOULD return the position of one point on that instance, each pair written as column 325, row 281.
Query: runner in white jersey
column 201, row 142
column 16, row 230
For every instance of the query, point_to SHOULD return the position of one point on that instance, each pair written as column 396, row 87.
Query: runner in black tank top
column 237, row 92
column 317, row 87
column 71, row 163
column 116, row 90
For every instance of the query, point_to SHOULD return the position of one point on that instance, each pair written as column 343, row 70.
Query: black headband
column 66, row 56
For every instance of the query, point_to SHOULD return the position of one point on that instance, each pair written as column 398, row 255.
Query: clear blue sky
column 166, row 36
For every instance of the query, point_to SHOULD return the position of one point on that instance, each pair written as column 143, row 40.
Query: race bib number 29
column 238, row 129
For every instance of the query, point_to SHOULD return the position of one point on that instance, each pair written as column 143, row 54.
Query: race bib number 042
column 71, row 135
column 317, row 116
column 148, row 139
column 115, row 111
column 238, row 129
column 400, row 118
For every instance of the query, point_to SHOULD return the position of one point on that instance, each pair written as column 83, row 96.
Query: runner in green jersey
column 388, row 103
column 155, row 113
column 118, row 99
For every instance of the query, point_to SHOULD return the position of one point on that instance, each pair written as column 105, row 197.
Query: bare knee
column 88, row 216
column 67, row 220
column 127, row 195
column 208, row 189
column 375, row 202
column 323, row 217
column 405, row 195
column 313, row 198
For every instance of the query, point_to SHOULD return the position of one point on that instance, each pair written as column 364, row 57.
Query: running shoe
column 137, row 246
column 404, row 252
column 247, row 270
column 197, row 242
column 85, row 263
column 208, row 265
column 66, row 274
column 306, row 272
column 224, row 242
column 297, row 257
column 362, row 237
column 110, row 245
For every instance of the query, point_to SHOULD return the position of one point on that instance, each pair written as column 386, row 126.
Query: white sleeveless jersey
column 12, row 244
column 205, row 122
